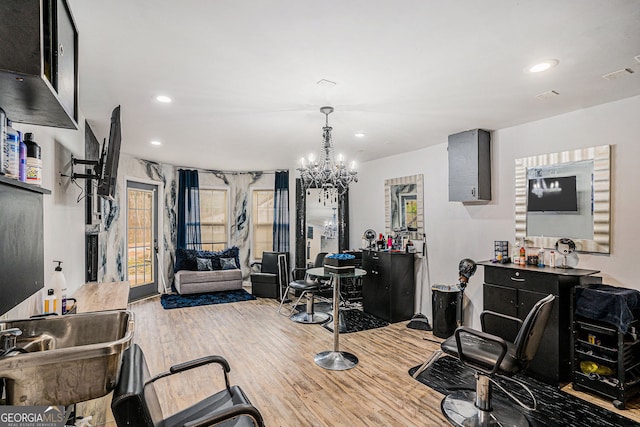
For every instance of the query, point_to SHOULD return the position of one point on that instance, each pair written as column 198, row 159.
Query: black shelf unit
column 603, row 344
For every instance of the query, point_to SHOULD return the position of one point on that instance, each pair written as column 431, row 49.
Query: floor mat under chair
column 554, row 407
column 357, row 320
column 192, row 300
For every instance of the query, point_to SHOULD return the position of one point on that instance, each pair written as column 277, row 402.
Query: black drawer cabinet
column 389, row 287
column 514, row 290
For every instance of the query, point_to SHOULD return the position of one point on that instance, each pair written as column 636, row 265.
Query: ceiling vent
column 546, row 95
column 618, row 74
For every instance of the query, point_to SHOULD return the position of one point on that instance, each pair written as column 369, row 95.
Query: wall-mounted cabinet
column 39, row 63
column 470, row 166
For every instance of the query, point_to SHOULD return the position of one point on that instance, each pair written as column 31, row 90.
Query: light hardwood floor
column 271, row 358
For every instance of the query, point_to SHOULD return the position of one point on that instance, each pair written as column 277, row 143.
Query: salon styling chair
column 308, row 287
column 490, row 356
column 273, row 275
column 135, row 402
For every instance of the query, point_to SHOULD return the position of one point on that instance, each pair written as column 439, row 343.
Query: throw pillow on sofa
column 228, row 263
column 204, row 264
column 186, row 259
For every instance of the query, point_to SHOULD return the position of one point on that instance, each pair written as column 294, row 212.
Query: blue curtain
column 188, row 210
column 281, row 213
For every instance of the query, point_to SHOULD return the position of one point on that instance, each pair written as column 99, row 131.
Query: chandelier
column 329, row 175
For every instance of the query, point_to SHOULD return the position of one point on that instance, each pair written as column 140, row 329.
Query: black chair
column 273, row 275
column 308, row 287
column 135, row 402
column 490, row 355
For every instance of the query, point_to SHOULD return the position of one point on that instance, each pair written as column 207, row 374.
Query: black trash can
column 445, row 309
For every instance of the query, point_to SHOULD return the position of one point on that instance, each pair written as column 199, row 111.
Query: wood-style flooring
column 271, row 358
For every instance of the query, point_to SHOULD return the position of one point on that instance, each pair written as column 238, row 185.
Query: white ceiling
column 243, row 74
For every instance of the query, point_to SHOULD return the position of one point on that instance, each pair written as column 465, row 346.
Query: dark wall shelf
column 24, row 186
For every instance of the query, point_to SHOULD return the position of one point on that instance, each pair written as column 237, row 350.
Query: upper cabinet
column 39, row 63
column 470, row 166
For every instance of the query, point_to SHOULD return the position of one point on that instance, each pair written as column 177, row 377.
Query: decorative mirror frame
column 411, row 179
column 601, row 157
column 300, row 261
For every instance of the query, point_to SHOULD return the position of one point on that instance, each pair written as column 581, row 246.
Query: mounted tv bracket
column 95, row 166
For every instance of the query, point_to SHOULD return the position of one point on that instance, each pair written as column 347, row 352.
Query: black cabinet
column 389, row 287
column 21, row 246
column 514, row 290
column 39, row 62
column 470, row 166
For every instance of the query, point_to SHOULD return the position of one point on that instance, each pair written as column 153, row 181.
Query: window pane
column 262, row 222
column 213, row 219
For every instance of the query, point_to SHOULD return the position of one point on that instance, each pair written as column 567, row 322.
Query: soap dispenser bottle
column 58, row 282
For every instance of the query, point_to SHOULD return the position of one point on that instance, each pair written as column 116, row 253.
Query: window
column 214, row 223
column 262, row 222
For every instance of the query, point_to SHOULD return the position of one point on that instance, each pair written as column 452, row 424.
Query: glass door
column 142, row 239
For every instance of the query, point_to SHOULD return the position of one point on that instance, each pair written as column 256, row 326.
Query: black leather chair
column 273, row 275
column 135, row 402
column 490, row 355
column 308, row 287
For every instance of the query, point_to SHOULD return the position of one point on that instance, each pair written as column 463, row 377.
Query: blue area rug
column 192, row 300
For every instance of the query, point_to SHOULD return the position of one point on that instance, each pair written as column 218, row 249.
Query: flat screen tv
column 108, row 165
column 552, row 194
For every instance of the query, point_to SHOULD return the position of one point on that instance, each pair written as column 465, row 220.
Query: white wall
column 63, row 216
column 455, row 231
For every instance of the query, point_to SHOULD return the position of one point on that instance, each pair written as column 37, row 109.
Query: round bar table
column 335, row 359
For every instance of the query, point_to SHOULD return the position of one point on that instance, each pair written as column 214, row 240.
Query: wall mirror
column 320, row 226
column 565, row 194
column 404, row 205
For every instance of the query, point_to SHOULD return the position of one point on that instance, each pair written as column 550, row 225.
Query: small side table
column 335, row 359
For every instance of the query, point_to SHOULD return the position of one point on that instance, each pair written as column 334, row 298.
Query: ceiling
column 243, row 75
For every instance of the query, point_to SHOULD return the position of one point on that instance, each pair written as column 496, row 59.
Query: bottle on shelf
column 552, row 259
column 523, row 255
column 34, row 160
column 541, row 257
column 515, row 253
column 12, row 151
column 3, row 136
column 22, row 165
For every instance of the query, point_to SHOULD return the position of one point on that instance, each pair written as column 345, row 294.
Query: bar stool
column 308, row 287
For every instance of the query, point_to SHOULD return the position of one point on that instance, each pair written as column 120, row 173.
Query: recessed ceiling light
column 543, row 66
column 359, row 135
column 156, row 142
column 163, row 98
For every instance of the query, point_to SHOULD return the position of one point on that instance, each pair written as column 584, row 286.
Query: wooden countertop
column 102, row 296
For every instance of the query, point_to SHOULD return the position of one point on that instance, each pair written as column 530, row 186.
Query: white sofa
column 195, row 282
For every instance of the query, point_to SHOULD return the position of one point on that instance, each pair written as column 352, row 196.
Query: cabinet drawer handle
column 517, row 279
